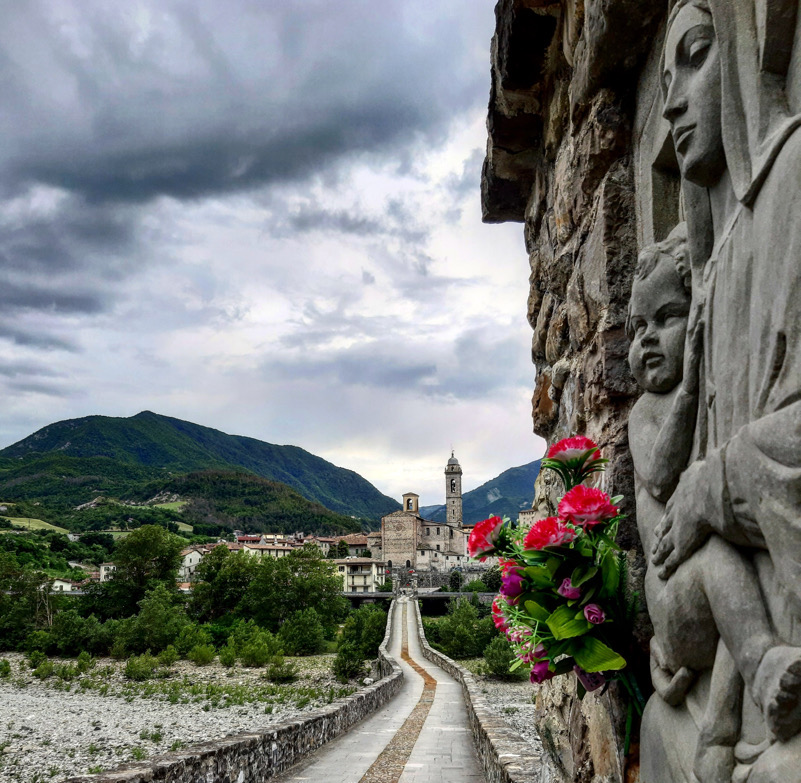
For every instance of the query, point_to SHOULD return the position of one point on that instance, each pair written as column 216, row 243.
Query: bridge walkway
column 420, row 736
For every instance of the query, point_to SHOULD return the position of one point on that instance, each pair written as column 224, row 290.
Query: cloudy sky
column 262, row 216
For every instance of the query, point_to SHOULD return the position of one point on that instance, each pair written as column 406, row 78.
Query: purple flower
column 567, row 590
column 594, row 614
column 540, row 672
column 512, row 583
column 540, row 651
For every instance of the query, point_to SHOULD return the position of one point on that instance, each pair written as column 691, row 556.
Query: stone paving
column 420, row 736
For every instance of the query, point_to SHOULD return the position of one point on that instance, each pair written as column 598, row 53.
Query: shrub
column 168, row 656
column 462, row 633
column 5, row 669
column 492, row 579
column 349, row 664
column 38, row 642
column 36, row 659
column 228, row 654
column 455, row 581
column 498, row 657
column 140, row 667
column 302, row 633
column 66, row 672
column 85, row 662
column 282, row 672
column 44, row 670
column 201, row 654
column 364, row 630
column 262, row 648
column 476, row 586
column 191, row 636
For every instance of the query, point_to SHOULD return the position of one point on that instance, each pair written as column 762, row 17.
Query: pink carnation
column 570, row 449
column 484, row 536
column 550, row 531
column 497, row 615
column 587, row 506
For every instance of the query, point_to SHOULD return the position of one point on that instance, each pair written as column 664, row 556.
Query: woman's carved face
column 691, row 88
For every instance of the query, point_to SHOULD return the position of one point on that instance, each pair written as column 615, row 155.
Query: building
column 411, row 543
column 360, row 574
column 267, row 550
column 107, row 571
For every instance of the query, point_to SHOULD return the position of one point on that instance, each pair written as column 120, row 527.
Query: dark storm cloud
column 128, row 103
column 51, row 298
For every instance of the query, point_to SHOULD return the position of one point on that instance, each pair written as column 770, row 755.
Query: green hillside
column 506, row 495
column 77, row 459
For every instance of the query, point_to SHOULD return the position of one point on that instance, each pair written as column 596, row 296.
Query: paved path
column 420, row 736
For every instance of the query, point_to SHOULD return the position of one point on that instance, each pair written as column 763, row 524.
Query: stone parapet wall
column 265, row 753
column 504, row 757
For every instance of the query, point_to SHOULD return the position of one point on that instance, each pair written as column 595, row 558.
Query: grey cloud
column 47, row 297
column 367, row 277
column 30, row 339
column 35, row 387
column 15, row 369
column 197, row 101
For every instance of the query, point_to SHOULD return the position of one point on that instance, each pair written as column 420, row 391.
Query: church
column 410, row 542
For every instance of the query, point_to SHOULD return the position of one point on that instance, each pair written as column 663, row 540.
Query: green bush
column 140, row 667
column 364, row 630
column 44, row 670
column 476, row 586
column 455, row 581
column 462, row 633
column 349, row 664
column 66, row 672
column 492, row 579
column 281, row 672
column 260, row 650
column 36, row 659
column 168, row 656
column 85, row 662
column 191, row 636
column 302, row 633
column 38, row 642
column 201, row 654
column 228, row 654
column 498, row 657
column 5, row 669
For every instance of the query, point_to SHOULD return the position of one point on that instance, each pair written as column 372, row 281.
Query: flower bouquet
column 562, row 603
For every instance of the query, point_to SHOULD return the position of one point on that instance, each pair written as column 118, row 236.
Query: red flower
column 550, row 531
column 484, row 536
column 505, row 564
column 497, row 615
column 587, row 506
column 569, row 449
column 540, row 672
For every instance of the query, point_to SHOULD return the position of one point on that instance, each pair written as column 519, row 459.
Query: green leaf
column 594, row 656
column 581, row 691
column 564, row 666
column 539, row 576
column 536, row 611
column 516, row 665
column 610, row 573
column 564, row 626
column 582, row 574
column 552, row 565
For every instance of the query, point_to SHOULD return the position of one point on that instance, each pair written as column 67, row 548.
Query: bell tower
column 453, row 492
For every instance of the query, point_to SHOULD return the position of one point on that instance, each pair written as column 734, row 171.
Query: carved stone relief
column 715, row 327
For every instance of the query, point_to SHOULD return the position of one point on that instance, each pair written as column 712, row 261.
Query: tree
column 302, row 633
column 299, row 581
column 149, row 554
column 160, row 620
column 222, row 581
column 342, row 548
column 455, row 581
column 492, row 579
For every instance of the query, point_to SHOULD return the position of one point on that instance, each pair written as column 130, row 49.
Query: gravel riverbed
column 54, row 728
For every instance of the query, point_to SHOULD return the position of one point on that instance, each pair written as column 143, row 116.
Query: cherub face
column 658, row 322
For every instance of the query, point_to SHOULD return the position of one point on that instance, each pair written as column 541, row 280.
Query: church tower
column 453, row 492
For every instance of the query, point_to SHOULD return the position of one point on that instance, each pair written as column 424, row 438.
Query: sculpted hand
column 684, row 528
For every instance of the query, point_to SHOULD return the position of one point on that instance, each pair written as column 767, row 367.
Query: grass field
column 35, row 524
column 177, row 505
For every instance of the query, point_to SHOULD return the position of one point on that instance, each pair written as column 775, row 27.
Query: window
column 451, row 533
column 342, row 568
column 437, row 547
column 437, row 531
column 409, row 504
column 408, row 564
column 428, row 531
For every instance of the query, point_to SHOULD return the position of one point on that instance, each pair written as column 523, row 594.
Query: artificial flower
column 566, row 590
column 587, row 506
column 570, row 449
column 512, row 583
column 594, row 614
column 497, row 615
column 483, row 537
column 540, row 672
column 550, row 531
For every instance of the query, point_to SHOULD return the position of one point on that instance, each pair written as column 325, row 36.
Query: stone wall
column 560, row 160
column 264, row 753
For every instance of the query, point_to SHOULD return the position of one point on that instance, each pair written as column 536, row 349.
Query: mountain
column 506, row 494
column 108, row 454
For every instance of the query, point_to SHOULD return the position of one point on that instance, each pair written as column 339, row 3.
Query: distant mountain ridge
column 506, row 494
column 147, row 445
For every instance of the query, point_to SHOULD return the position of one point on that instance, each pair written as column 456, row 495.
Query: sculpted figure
column 737, row 143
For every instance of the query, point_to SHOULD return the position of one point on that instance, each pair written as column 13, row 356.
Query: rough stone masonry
column 649, row 147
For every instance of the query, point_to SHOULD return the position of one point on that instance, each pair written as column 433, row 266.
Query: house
column 323, row 543
column 63, row 586
column 357, row 543
column 268, row 550
column 190, row 559
column 107, row 571
column 360, row 574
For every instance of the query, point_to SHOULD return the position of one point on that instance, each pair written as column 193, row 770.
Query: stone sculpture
column 717, row 436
